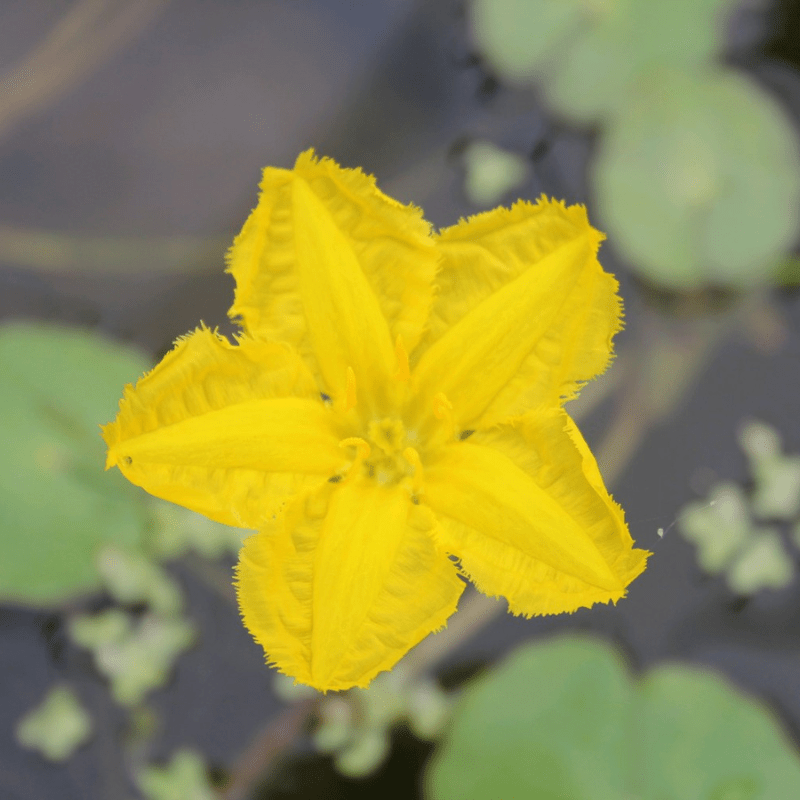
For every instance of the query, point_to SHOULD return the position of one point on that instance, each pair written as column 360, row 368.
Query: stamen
column 362, row 446
column 362, row 453
column 443, row 409
column 403, row 371
column 351, row 398
column 412, row 456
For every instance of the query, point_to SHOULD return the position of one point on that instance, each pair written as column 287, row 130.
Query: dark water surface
column 167, row 137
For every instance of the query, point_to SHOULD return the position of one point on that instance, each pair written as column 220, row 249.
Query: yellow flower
column 390, row 416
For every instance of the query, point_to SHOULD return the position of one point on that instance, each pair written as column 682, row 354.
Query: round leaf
column 519, row 36
column 697, row 180
column 701, row 739
column 59, row 507
column 564, row 720
column 626, row 41
column 548, row 723
column 590, row 54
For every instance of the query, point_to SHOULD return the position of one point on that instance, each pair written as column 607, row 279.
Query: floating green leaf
column 136, row 658
column 59, row 508
column 698, row 180
column 366, row 753
column 549, row 723
column 753, row 557
column 724, row 530
column 777, row 477
column 702, row 739
column 589, row 55
column 777, row 492
column 355, row 728
column 719, row 528
column 763, row 563
column 95, row 631
column 131, row 577
column 759, row 441
column 428, row 709
column 519, row 37
column 491, row 172
column 57, row 727
column 564, row 720
column 185, row 778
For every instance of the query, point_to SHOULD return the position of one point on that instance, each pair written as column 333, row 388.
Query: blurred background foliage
column 696, row 174
column 131, row 133
column 593, row 734
column 751, row 534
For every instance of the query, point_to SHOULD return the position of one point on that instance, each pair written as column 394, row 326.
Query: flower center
column 384, row 455
column 387, row 453
column 386, row 463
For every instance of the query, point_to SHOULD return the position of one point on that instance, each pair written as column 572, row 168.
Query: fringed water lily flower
column 390, row 419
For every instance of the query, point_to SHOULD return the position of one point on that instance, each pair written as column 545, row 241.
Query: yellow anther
column 362, row 446
column 403, row 371
column 351, row 398
column 412, row 456
column 443, row 409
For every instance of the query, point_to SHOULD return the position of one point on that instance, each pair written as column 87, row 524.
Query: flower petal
column 330, row 264
column 345, row 582
column 226, row 430
column 525, row 312
column 526, row 512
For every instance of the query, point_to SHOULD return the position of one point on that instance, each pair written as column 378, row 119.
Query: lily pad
column 698, row 181
column 590, row 54
column 565, row 720
column 519, row 37
column 59, row 507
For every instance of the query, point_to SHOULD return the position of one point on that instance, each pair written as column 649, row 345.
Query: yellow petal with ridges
column 628, row 562
column 333, row 266
column 527, row 520
column 345, row 582
column 524, row 315
column 448, row 359
column 226, row 430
